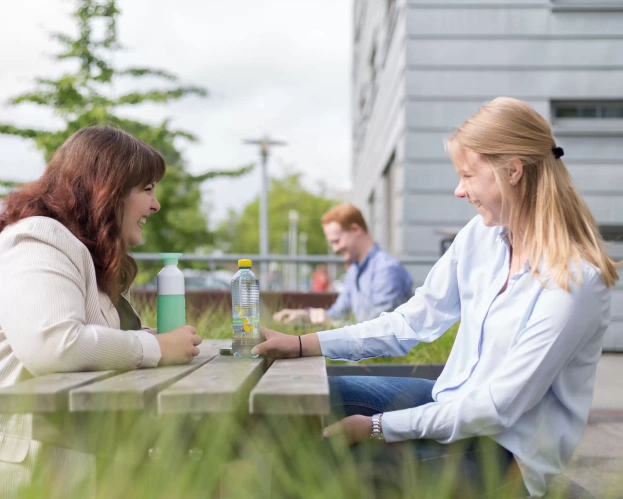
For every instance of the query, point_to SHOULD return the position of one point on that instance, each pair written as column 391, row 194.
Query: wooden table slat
column 293, row 387
column 136, row 390
column 47, row 393
column 218, row 386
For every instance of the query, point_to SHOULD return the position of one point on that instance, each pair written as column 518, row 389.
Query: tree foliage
column 84, row 97
column 240, row 233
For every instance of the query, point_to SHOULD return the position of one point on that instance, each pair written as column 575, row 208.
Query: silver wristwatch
column 377, row 432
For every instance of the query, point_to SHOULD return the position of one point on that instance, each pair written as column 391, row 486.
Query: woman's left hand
column 355, row 429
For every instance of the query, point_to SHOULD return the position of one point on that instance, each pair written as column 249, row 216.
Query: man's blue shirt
column 378, row 284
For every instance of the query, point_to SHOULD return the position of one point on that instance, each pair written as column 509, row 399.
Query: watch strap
column 377, row 432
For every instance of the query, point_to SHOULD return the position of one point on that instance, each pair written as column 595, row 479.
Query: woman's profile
column 529, row 279
column 65, row 273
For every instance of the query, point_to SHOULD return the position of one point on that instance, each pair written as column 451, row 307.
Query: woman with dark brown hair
column 65, row 273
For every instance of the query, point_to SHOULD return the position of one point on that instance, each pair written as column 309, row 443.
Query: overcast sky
column 280, row 67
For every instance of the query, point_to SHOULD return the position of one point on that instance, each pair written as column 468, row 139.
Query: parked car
column 200, row 280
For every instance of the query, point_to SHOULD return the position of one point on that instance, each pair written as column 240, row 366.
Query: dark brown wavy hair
column 84, row 187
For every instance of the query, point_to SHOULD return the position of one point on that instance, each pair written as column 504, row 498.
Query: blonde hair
column 346, row 215
column 546, row 212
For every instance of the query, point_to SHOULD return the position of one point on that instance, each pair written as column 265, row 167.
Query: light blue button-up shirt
column 522, row 369
column 378, row 284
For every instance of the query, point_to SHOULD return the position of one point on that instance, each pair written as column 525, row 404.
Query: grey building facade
column 420, row 68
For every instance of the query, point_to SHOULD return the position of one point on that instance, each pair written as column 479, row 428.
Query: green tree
column 83, row 97
column 6, row 186
column 240, row 232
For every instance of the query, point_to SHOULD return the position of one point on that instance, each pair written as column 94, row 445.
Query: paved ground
column 597, row 464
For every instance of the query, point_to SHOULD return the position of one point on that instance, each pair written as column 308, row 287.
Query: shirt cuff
column 151, row 349
column 332, row 343
column 397, row 425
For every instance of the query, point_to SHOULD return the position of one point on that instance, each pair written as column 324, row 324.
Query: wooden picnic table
column 212, row 384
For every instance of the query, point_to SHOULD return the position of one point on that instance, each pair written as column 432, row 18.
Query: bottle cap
column 170, row 258
column 245, row 264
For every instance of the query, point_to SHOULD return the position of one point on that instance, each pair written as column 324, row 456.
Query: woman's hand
column 178, row 346
column 355, row 429
column 285, row 346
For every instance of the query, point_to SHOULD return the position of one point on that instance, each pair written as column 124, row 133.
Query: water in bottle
column 245, row 300
column 171, row 295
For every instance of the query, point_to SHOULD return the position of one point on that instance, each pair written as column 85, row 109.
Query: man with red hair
column 375, row 282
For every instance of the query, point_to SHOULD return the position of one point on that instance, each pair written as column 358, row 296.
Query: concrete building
column 420, row 68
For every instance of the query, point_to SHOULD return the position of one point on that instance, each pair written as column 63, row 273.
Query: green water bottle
column 171, row 295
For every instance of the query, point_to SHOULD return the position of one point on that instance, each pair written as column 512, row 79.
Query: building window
column 360, row 8
column 373, row 68
column 389, row 197
column 357, row 30
column 587, row 5
column 391, row 16
column 587, row 110
column 372, row 215
column 611, row 232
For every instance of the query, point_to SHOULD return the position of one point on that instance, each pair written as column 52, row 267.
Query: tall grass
column 229, row 457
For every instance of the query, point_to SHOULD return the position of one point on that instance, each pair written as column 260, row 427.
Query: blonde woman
column 529, row 280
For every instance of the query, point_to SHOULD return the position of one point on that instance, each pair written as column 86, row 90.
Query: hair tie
column 558, row 152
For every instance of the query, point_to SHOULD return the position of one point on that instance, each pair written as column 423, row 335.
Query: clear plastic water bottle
column 245, row 300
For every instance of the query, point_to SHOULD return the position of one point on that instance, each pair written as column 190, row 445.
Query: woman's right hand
column 285, row 346
column 179, row 346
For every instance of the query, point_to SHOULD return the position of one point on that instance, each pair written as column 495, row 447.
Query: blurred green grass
column 225, row 457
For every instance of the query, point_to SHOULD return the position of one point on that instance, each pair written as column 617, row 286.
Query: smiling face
column 345, row 243
column 478, row 184
column 138, row 206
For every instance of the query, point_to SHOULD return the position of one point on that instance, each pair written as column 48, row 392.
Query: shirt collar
column 375, row 249
column 503, row 237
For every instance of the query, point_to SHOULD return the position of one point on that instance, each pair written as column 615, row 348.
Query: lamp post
column 293, row 229
column 265, row 144
column 305, row 267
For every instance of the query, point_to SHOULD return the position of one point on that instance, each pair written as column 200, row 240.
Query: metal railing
column 284, row 272
column 154, row 257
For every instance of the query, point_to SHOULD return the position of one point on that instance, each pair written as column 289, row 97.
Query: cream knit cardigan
column 54, row 318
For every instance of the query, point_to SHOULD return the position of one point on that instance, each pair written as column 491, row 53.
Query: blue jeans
column 472, row 458
column 370, row 395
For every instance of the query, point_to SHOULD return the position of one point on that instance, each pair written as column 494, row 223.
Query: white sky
column 280, row 67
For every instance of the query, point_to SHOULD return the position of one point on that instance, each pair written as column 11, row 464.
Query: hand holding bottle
column 179, row 346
